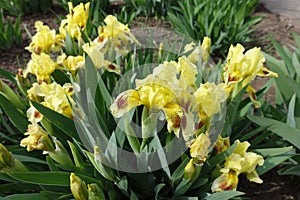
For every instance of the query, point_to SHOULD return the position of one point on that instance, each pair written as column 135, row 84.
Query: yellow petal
column 227, row 181
column 125, row 102
column 200, row 147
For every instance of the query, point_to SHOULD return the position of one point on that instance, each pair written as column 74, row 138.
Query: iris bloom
column 243, row 68
column 114, row 38
column 95, row 52
column 200, row 148
column 160, row 90
column 44, row 40
column 227, row 181
column 209, row 97
column 72, row 63
column 75, row 21
column 53, row 96
column 240, row 161
column 37, row 139
column 172, row 88
column 41, row 65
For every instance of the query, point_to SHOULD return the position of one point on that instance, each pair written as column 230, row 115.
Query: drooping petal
column 227, row 181
column 125, row 102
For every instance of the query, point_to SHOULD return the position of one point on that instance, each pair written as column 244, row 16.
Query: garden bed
column 274, row 186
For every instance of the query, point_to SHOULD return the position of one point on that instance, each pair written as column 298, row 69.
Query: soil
column 274, row 186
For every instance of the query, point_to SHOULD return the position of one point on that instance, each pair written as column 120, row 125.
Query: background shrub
column 225, row 22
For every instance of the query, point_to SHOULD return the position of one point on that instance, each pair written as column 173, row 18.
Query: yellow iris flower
column 96, row 53
column 44, row 40
column 243, row 68
column 75, row 21
column 240, row 161
column 172, row 88
column 53, row 96
column 37, row 139
column 41, row 65
column 200, row 148
column 227, row 181
column 209, row 97
column 72, row 63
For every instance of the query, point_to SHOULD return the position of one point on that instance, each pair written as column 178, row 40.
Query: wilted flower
column 44, row 40
column 41, row 65
column 76, row 20
column 37, row 139
column 78, row 188
column 222, row 144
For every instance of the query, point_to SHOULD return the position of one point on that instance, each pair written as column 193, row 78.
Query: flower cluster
column 175, row 91
column 49, row 55
column 172, row 88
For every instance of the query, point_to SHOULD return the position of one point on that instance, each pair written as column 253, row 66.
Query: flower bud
column 189, row 170
column 205, row 49
column 78, row 188
column 95, row 193
column 6, row 158
column 8, row 163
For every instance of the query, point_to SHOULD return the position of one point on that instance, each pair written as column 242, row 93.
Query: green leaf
column 43, row 178
column 17, row 118
column 63, row 123
column 178, row 173
column 35, row 196
column 291, row 115
column 285, row 131
column 224, row 195
column 294, row 170
column 273, row 151
column 183, row 186
column 30, row 159
column 76, row 156
column 131, row 136
column 272, row 162
column 8, row 75
column 123, row 185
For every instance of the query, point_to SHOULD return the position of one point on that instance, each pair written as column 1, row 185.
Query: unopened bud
column 78, row 188
column 189, row 170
